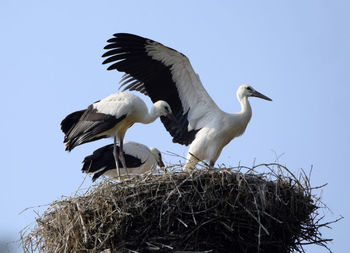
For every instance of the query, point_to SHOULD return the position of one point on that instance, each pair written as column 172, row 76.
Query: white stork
column 139, row 159
column 110, row 117
column 163, row 73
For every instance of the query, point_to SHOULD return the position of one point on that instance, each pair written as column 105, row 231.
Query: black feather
column 128, row 54
column 90, row 124
column 103, row 158
column 69, row 121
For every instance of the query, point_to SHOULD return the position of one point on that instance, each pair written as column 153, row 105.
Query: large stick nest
column 210, row 210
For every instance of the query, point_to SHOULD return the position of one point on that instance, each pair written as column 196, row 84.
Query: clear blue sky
column 296, row 52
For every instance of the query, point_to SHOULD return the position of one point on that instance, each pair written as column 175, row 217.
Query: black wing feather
column 128, row 54
column 69, row 121
column 90, row 124
column 103, row 158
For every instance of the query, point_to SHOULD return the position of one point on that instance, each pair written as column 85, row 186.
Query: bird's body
column 110, row 117
column 139, row 159
column 217, row 133
column 163, row 73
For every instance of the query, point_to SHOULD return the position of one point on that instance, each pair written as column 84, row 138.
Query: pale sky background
column 296, row 52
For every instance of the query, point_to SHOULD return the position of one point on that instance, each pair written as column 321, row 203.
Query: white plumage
column 138, row 157
column 110, row 117
column 163, row 73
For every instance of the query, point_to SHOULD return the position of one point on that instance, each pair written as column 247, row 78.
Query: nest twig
column 221, row 210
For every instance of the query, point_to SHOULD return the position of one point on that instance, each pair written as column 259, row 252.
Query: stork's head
column 157, row 156
column 162, row 108
column 246, row 90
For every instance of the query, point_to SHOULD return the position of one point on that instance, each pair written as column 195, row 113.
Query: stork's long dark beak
column 170, row 116
column 259, row 95
column 161, row 164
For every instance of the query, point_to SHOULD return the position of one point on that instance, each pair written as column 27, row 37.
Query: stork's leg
column 115, row 154
column 191, row 162
column 211, row 165
column 122, row 158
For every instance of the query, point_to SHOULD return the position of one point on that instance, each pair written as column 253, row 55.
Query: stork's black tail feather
column 81, row 139
column 70, row 121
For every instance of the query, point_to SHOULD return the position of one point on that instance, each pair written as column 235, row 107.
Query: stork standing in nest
column 139, row 159
column 163, row 73
column 110, row 117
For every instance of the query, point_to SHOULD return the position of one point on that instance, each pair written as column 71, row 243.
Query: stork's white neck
column 151, row 116
column 246, row 110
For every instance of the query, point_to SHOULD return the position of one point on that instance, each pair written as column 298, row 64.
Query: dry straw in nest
column 221, row 210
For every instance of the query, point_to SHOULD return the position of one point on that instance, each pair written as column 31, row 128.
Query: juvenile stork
column 163, row 73
column 139, row 159
column 110, row 117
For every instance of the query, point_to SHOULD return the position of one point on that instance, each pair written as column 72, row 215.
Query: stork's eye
column 249, row 88
column 167, row 109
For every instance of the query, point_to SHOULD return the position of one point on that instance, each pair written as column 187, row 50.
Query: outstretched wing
column 162, row 73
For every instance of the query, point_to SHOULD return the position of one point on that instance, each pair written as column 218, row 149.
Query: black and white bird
column 163, row 73
column 110, row 117
column 139, row 159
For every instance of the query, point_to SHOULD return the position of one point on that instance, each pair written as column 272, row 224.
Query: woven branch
column 209, row 210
